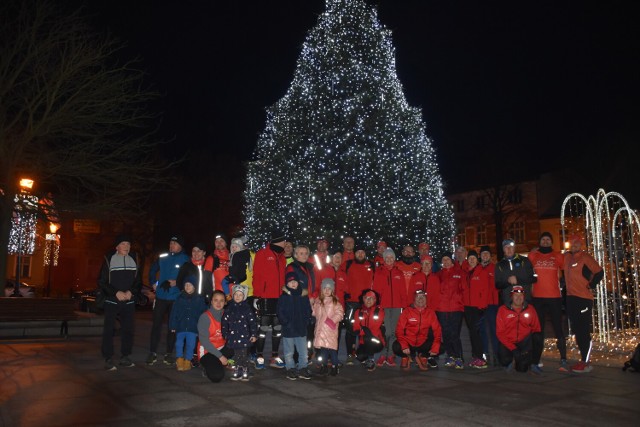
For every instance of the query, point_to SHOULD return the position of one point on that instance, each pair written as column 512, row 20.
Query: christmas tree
column 342, row 152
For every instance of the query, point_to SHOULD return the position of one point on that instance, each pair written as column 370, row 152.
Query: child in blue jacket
column 240, row 329
column 184, row 322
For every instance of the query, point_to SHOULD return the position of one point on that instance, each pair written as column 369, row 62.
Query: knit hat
column 546, row 234
column 237, row 242
column 359, row 247
column 517, row 289
column 485, row 248
column 200, row 246
column 368, row 294
column 178, row 239
column 472, row 253
column 240, row 288
column 381, row 243
column 121, row 238
column 191, row 279
column 508, row 242
column 423, row 245
column 388, row 252
column 290, row 276
column 277, row 236
column 328, row 283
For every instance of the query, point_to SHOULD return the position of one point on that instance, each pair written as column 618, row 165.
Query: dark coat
column 518, row 266
column 239, row 324
column 186, row 311
column 294, row 312
column 203, row 277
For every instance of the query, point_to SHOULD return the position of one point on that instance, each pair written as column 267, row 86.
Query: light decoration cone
column 612, row 235
column 342, row 152
column 22, row 237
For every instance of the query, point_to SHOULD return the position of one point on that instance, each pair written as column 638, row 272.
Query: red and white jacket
column 414, row 326
column 372, row 318
column 476, row 288
column 512, row 325
column 268, row 273
column 429, row 284
column 389, row 284
column 452, row 281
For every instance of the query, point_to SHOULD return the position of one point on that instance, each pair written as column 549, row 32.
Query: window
column 25, row 266
column 515, row 196
column 461, row 238
column 481, row 235
column 481, row 202
column 460, row 205
column 517, row 231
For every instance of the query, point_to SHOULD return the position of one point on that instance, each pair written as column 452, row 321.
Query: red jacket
column 429, row 284
column 389, row 284
column 579, row 269
column 547, row 267
column 268, row 273
column 493, row 297
column 476, row 288
column 512, row 326
column 451, row 289
column 414, row 326
column 359, row 277
column 408, row 270
column 372, row 318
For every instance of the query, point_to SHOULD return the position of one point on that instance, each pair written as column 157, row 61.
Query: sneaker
column 304, row 374
column 109, row 366
column 478, row 363
column 405, row 363
column 291, row 374
column 236, row 374
column 421, row 361
column 276, row 362
column 151, row 359
column 391, row 361
column 535, row 369
column 350, row 360
column 323, row 371
column 126, row 362
column 581, row 368
column 449, row 362
column 245, row 374
column 432, row 362
column 334, row 371
column 459, row 364
column 253, row 358
column 509, row 368
column 260, row 362
column 370, row 365
column 564, row 367
column 381, row 361
column 169, row 359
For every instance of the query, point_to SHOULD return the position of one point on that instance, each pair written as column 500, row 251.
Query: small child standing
column 240, row 329
column 294, row 313
column 328, row 313
column 184, row 322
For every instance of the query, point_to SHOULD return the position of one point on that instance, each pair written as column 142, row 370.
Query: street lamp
column 22, row 237
column 51, row 252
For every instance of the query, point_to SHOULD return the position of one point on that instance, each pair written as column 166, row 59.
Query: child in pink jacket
column 328, row 313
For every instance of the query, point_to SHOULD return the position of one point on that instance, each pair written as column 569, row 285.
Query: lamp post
column 51, row 253
column 24, row 201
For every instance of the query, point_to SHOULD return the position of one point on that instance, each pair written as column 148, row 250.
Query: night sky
column 508, row 89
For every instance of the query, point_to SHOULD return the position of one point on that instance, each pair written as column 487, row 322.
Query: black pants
column 212, row 366
column 472, row 319
column 521, row 356
column 553, row 306
column 126, row 313
column 162, row 307
column 580, row 311
column 350, row 337
column 267, row 309
column 422, row 349
column 451, row 322
column 368, row 348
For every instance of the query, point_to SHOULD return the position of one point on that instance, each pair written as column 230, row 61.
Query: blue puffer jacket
column 294, row 312
column 168, row 265
column 186, row 311
column 239, row 324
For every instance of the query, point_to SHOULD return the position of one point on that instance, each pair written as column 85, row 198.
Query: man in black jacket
column 119, row 282
column 513, row 269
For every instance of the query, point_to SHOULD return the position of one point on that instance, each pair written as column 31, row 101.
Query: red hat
column 381, row 243
column 517, row 289
column 369, row 294
column 322, row 239
column 423, row 245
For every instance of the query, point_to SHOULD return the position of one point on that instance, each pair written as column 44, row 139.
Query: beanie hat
column 485, row 249
column 200, row 246
column 381, row 243
column 388, row 252
column 121, row 238
column 237, row 242
column 178, row 239
column 290, row 276
column 423, row 245
column 517, row 289
column 508, row 242
column 220, row 236
column 277, row 236
column 240, row 288
column 369, row 293
column 359, row 247
column 328, row 283
column 191, row 279
column 472, row 253
column 546, row 234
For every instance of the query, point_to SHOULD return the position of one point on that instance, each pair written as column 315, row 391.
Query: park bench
column 16, row 309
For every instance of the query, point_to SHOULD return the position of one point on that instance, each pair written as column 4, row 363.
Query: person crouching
column 368, row 325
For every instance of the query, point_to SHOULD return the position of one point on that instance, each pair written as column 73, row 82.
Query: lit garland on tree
column 22, row 237
column 342, row 152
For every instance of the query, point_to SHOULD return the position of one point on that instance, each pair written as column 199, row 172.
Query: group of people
column 221, row 308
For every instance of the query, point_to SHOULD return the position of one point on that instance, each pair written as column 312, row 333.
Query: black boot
column 334, row 371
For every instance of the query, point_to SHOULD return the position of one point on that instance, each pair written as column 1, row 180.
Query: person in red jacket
column 582, row 274
column 475, row 296
column 488, row 333
column 516, row 324
column 321, row 261
column 378, row 260
column 423, row 251
column 359, row 277
column 460, row 258
column 418, row 334
column 428, row 282
column 451, row 311
column 547, row 298
column 218, row 262
column 388, row 281
column 268, row 278
column 408, row 265
column 348, row 244
column 368, row 324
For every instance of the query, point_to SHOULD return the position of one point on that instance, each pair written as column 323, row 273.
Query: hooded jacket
column 327, row 315
column 294, row 312
column 306, row 276
column 239, row 324
column 186, row 312
column 371, row 319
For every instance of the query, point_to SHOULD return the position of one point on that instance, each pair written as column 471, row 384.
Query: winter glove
column 330, row 323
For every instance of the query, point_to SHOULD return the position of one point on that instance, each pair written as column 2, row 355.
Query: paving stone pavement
column 56, row 382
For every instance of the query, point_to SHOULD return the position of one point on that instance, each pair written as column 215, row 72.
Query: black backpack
column 633, row 364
